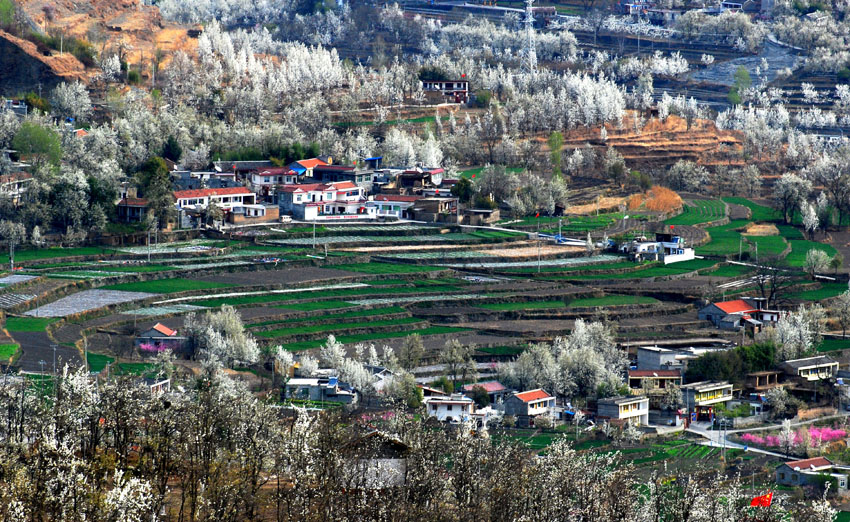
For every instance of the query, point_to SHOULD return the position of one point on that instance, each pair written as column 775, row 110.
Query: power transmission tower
column 530, row 52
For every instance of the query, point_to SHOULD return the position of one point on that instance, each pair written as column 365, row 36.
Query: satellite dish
column 437, row 179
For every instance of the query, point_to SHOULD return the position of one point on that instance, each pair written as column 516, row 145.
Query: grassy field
column 431, row 330
column 28, row 324
column 36, row 254
column 341, row 315
column 653, row 271
column 385, row 268
column 528, row 305
column 7, row 351
column 468, row 173
column 834, row 343
column 330, row 328
column 701, row 211
column 133, row 268
column 729, row 271
column 767, row 245
column 759, row 212
column 613, row 300
column 724, row 239
column 574, row 268
column 800, row 247
column 502, row 350
column 826, row 291
column 167, row 286
column 342, row 292
column 97, row 362
column 316, row 305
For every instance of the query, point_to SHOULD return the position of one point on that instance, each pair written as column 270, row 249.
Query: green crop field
column 790, row 232
column 575, row 268
column 826, row 291
column 167, row 286
column 528, row 305
column 330, row 328
column 97, row 362
column 502, row 350
column 385, row 268
column 759, row 212
column 653, row 271
column 832, row 343
column 729, row 271
column 341, row 315
column 431, row 330
column 700, row 211
column 7, row 351
column 613, row 300
column 767, row 245
column 800, row 247
column 28, row 324
column 316, row 305
column 134, row 268
column 341, row 292
column 724, row 239
column 54, row 253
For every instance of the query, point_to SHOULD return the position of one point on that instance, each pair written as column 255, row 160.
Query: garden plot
column 573, row 261
column 417, row 299
column 15, row 278
column 165, row 248
column 85, row 301
column 223, row 264
column 331, row 240
column 10, row 300
column 164, row 310
column 375, row 228
column 86, row 274
column 317, row 289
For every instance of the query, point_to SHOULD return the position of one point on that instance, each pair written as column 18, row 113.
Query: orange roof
column 81, row 132
column 164, row 330
column 203, row 193
column 311, row 187
column 533, row 395
column 816, row 462
column 734, row 307
column 311, row 163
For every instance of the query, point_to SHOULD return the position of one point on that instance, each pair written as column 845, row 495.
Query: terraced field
column 699, row 211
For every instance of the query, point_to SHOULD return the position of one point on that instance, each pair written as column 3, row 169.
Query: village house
column 496, row 391
column 159, row 337
column 811, row 368
column 264, row 181
column 812, row 472
column 667, row 248
column 701, row 397
column 339, row 173
column 305, row 167
column 454, row 408
column 247, row 214
column 132, row 210
column 14, row 185
column 241, row 168
column 224, row 198
column 745, row 312
column 456, row 91
column 761, row 382
column 622, row 410
column 325, row 389
column 391, row 206
column 323, row 201
column 188, row 180
column 653, row 383
column 525, row 406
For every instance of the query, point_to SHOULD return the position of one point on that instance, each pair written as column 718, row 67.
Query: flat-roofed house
column 529, row 404
column 811, row 368
column 702, row 397
column 632, row 410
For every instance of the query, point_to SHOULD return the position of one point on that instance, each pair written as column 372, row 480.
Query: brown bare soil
column 656, row 199
column 660, row 144
column 605, row 203
column 761, row 230
column 112, row 24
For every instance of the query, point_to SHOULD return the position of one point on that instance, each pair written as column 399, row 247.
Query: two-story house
column 701, row 397
column 811, row 368
column 224, row 198
column 525, row 406
column 653, row 383
column 323, row 201
column 632, row 410
column 453, row 408
column 745, row 312
column 263, row 181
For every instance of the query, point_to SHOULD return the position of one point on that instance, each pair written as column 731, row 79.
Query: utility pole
column 530, row 51
column 314, row 234
column 149, row 245
column 538, row 243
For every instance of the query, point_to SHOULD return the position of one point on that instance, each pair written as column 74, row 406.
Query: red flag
column 762, row 501
column 463, row 75
column 473, row 176
column 537, row 215
column 671, row 227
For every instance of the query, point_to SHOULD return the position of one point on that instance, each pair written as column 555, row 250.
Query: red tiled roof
column 133, row 202
column 735, row 307
column 164, row 330
column 655, row 373
column 344, row 185
column 311, row 163
column 202, row 193
column 808, row 463
column 489, row 386
column 393, row 197
column 311, row 187
column 533, row 395
column 81, row 132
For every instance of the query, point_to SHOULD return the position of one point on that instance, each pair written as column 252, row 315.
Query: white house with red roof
column 495, row 390
column 159, row 337
column 732, row 315
column 324, row 201
column 529, row 404
column 263, row 181
column 391, row 205
column 225, row 198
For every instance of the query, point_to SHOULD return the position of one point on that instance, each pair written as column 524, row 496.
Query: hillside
column 23, row 68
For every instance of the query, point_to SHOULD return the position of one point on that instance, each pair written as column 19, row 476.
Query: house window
column 793, row 476
column 265, row 180
column 450, row 407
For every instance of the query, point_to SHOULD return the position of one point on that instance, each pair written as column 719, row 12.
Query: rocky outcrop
column 23, row 68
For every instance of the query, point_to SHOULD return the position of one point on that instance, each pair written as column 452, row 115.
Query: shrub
column 134, row 78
